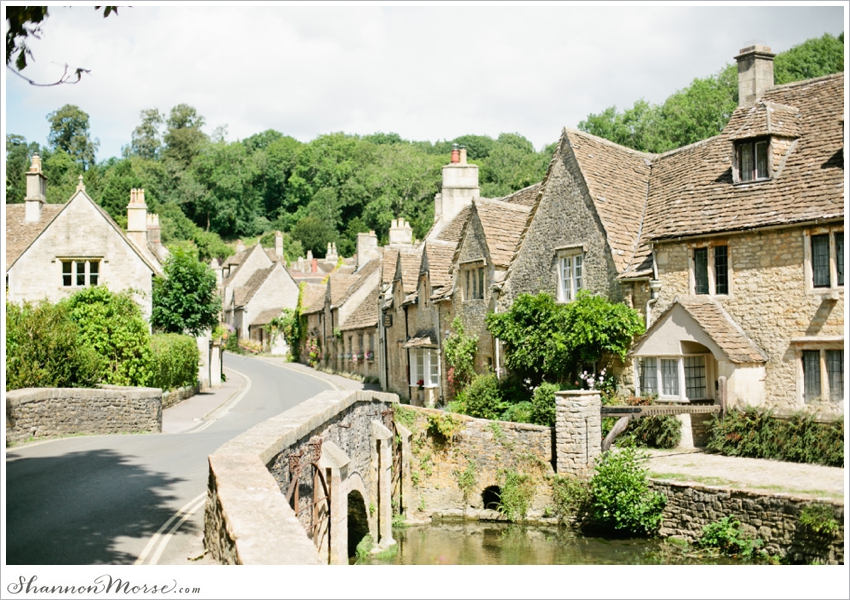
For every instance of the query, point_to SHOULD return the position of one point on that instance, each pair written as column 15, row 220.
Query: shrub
column 662, row 431
column 543, row 404
column 175, row 361
column 571, row 496
column 820, row 519
column 521, row 412
column 727, row 536
column 112, row 325
column 483, row 399
column 757, row 433
column 185, row 300
column 443, row 427
column 516, row 493
column 43, row 348
column 620, row 496
column 460, row 356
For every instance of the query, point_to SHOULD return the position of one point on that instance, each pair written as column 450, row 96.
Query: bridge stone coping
column 247, row 518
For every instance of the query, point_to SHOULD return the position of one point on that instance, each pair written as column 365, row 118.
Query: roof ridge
column 502, row 204
column 640, row 153
column 805, row 81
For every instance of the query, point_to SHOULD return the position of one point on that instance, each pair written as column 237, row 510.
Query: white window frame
column 682, row 395
column 712, row 267
column 570, row 283
column 831, row 232
column 423, row 362
column 87, row 274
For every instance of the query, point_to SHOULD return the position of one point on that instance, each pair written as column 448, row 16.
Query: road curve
column 109, row 499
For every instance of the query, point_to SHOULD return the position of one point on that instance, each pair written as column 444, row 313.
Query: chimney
column 36, row 191
column 137, row 218
column 278, row 244
column 153, row 229
column 401, row 234
column 460, row 187
column 314, row 265
column 240, row 246
column 216, row 268
column 367, row 247
column 755, row 73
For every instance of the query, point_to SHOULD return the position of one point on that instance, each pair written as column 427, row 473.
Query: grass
column 717, row 481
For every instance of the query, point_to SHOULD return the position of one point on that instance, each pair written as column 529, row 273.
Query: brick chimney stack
column 755, row 73
column 36, row 191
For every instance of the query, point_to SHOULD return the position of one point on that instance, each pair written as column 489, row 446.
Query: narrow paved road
column 104, row 499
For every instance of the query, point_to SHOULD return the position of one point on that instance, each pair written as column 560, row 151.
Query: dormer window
column 752, row 160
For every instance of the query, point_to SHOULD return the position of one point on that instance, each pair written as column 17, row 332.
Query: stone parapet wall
column 247, row 519
column 772, row 517
column 578, row 430
column 172, row 397
column 49, row 412
column 489, row 446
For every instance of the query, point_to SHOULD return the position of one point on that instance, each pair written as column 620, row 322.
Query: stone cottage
column 54, row 250
column 264, row 297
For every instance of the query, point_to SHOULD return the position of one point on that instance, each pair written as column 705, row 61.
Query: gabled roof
column 48, row 219
column 19, row 233
column 437, row 261
column 502, row 223
column 317, row 304
column 361, row 278
column 452, row 231
column 265, row 317
column 692, row 191
column 239, row 261
column 388, row 261
column 312, row 292
column 717, row 324
column 243, row 294
column 525, row 197
column 765, row 118
column 617, row 180
column 407, row 268
column 366, row 314
column 338, row 284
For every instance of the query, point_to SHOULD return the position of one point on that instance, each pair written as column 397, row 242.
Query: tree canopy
column 69, row 132
column 185, row 300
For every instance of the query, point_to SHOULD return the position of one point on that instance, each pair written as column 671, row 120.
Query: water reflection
column 506, row 544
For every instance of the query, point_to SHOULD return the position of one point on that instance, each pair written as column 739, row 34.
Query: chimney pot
column 463, row 155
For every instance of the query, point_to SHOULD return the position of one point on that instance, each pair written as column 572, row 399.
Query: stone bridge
column 325, row 467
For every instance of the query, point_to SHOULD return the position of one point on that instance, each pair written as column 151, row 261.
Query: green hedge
column 758, row 433
column 175, row 361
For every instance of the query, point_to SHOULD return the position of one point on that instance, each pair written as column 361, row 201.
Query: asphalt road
column 105, row 499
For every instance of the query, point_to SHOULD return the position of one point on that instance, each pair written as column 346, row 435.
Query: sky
column 427, row 72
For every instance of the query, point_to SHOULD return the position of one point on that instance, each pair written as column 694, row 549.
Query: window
column 677, row 378
column 823, row 374
column 752, row 161
column 825, row 259
column 710, row 265
column 426, row 367
column 474, row 289
column 570, row 272
column 80, row 273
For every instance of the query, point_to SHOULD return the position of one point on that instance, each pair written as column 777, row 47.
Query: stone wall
column 248, row 519
column 49, row 412
column 489, row 446
column 772, row 517
column 578, row 431
column 172, row 397
column 769, row 298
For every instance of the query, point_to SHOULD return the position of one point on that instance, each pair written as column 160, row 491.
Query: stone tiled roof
column 366, row 314
column 502, row 223
column 362, row 276
column 525, row 197
column 270, row 252
column 243, row 294
column 425, row 338
column 339, row 283
column 437, row 259
column 452, row 231
column 410, row 259
column 692, row 191
column 19, row 233
column 317, row 304
column 388, row 260
column 719, row 326
column 265, row 317
column 617, row 179
column 765, row 118
column 312, row 292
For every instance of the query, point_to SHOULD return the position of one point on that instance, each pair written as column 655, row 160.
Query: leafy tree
column 185, row 300
column 43, row 348
column 544, row 339
column 183, row 137
column 113, row 326
column 813, row 58
column 62, row 173
column 314, row 235
column 18, row 160
column 146, row 142
column 69, row 132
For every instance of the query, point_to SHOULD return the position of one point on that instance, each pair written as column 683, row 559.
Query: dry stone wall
column 49, row 412
column 479, row 447
column 772, row 517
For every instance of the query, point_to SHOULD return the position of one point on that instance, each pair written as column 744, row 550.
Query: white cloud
column 426, row 72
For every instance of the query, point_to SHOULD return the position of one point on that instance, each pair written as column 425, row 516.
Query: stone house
column 744, row 233
column 54, row 250
column 264, row 297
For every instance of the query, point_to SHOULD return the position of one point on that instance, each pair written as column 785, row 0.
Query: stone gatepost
column 335, row 463
column 215, row 364
column 578, row 430
column 382, row 461
column 406, row 477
